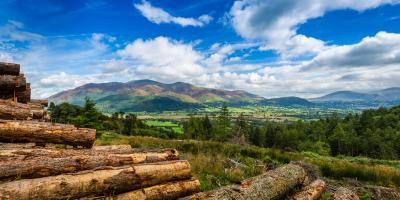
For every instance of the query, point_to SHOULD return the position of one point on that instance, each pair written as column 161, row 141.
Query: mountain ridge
column 152, row 96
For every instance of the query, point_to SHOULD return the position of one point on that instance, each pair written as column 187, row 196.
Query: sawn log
column 43, row 132
column 99, row 183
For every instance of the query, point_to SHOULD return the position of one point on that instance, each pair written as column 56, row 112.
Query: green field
column 177, row 128
column 271, row 113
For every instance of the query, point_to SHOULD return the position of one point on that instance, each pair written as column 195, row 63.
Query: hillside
column 152, row 96
column 349, row 99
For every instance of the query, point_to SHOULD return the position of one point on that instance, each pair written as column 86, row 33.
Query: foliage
column 373, row 133
column 207, row 158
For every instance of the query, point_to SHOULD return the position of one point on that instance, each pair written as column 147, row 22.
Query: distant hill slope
column 286, row 101
column 345, row 99
column 152, row 96
column 344, row 96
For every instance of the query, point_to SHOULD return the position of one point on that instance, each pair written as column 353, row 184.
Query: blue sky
column 271, row 48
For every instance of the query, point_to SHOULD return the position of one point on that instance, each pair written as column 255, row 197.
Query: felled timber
column 9, row 82
column 25, row 95
column 54, row 162
column 343, row 193
column 311, row 192
column 96, row 183
column 9, row 69
column 20, row 152
column 272, row 185
column 12, row 110
column 9, row 146
column 42, row 102
column 43, row 132
column 22, row 94
column 171, row 190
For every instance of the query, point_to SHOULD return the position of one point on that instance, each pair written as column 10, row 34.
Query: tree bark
column 10, row 82
column 12, row 110
column 97, row 183
column 311, row 192
column 43, row 132
column 171, row 190
column 272, row 185
column 9, row 152
column 343, row 193
column 9, row 69
column 42, row 102
column 54, row 162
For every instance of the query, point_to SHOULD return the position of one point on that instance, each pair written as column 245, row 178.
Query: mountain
column 152, row 96
column 345, row 96
column 286, row 101
column 349, row 99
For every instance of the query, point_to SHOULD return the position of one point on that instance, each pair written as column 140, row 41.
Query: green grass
column 208, row 160
column 177, row 128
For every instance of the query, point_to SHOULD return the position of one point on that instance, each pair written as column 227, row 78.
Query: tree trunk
column 311, row 192
column 9, row 82
column 272, row 185
column 23, row 94
column 12, row 110
column 42, row 132
column 95, row 183
column 38, row 114
column 171, row 190
column 26, row 152
column 54, row 162
column 43, row 102
column 9, row 69
column 343, row 193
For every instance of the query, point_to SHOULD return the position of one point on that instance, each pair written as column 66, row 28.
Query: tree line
column 373, row 133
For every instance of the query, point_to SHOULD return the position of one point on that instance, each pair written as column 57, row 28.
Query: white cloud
column 158, row 16
column 164, row 58
column 381, row 50
column 62, row 81
column 276, row 21
column 12, row 32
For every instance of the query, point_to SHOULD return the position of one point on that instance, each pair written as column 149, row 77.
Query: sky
column 272, row 48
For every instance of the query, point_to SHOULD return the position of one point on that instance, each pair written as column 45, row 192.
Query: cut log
column 117, row 149
column 96, row 183
column 9, row 69
column 22, row 94
column 22, row 152
column 9, row 82
column 311, row 192
column 10, row 146
column 343, row 193
column 38, row 114
column 43, row 102
column 42, row 132
column 53, row 162
column 12, row 110
column 171, row 190
column 272, row 185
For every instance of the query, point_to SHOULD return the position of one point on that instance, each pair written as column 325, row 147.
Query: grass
column 210, row 161
column 177, row 128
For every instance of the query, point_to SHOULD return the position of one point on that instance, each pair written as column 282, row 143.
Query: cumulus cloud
column 377, row 51
column 159, row 16
column 164, row 58
column 276, row 21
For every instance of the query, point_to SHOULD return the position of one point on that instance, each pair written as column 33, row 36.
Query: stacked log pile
column 33, row 165
column 13, row 84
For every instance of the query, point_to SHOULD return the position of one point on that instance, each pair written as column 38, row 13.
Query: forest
column 374, row 133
